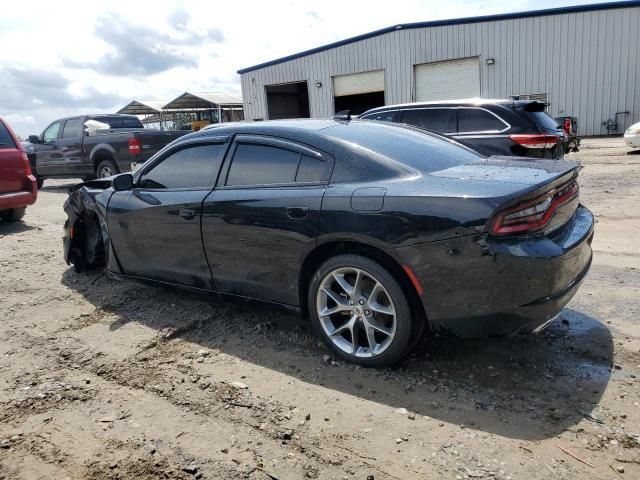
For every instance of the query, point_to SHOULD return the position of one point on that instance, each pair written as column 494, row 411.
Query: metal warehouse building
column 584, row 61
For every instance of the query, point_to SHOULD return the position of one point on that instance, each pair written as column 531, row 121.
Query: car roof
column 471, row 102
column 386, row 142
column 97, row 115
column 294, row 129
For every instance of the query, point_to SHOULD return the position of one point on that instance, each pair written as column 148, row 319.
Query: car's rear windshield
column 6, row 140
column 542, row 120
column 412, row 147
column 120, row 122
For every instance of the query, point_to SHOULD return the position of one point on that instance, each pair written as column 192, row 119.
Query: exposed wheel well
column 87, row 243
column 331, row 249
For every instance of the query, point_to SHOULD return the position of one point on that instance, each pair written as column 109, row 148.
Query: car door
column 262, row 218
column 155, row 227
column 70, row 147
column 48, row 156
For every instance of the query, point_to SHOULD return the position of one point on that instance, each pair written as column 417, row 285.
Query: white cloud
column 89, row 57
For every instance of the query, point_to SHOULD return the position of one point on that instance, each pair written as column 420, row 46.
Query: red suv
column 18, row 186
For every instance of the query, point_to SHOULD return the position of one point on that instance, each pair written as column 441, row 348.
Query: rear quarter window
column 6, row 140
column 476, row 120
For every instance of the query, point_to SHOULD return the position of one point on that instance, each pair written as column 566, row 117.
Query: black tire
column 104, row 167
column 39, row 182
column 402, row 341
column 13, row 215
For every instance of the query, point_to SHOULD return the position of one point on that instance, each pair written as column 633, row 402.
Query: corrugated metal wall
column 588, row 63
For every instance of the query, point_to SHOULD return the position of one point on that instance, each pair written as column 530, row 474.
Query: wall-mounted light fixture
column 318, row 84
column 491, row 61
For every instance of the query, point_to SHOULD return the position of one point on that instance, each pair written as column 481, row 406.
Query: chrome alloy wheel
column 356, row 312
column 105, row 172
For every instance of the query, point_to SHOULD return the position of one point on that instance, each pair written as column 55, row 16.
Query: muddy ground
column 110, row 379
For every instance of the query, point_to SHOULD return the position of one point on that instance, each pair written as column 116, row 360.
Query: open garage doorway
column 358, row 92
column 289, row 100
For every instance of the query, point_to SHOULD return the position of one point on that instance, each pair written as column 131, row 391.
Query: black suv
column 491, row 127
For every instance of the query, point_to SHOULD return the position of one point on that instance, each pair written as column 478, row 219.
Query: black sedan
column 376, row 230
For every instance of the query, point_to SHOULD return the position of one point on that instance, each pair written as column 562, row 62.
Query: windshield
column 543, row 120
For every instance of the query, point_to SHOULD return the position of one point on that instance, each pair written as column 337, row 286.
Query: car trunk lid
column 529, row 195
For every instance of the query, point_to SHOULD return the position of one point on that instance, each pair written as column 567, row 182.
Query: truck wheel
column 106, row 168
column 39, row 182
column 13, row 215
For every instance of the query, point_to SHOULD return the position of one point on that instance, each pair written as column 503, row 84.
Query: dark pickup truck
column 70, row 148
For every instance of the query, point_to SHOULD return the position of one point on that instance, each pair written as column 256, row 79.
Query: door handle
column 187, row 213
column 297, row 213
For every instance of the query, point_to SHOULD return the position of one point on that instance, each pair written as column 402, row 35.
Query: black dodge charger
column 377, row 231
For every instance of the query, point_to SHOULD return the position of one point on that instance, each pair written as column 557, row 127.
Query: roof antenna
column 343, row 115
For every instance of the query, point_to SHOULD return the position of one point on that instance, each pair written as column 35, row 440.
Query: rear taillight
column 567, row 126
column 27, row 165
column 134, row 146
column 536, row 141
column 535, row 214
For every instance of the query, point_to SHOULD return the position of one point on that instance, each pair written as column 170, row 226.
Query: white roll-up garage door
column 448, row 80
column 357, row 83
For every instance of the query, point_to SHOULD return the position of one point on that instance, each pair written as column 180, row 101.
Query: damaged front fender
column 86, row 240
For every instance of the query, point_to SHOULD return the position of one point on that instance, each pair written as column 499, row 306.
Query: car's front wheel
column 360, row 310
column 13, row 215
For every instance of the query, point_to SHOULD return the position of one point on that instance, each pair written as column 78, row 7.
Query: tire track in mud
column 221, row 401
column 147, row 370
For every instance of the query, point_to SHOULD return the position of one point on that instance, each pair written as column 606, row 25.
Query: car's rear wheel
column 13, row 215
column 39, row 182
column 361, row 311
column 106, row 168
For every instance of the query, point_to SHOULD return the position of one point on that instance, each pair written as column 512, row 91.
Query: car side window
column 256, row 164
column 72, row 128
column 475, row 120
column 435, row 119
column 51, row 133
column 380, row 116
column 313, row 170
column 6, row 140
column 190, row 167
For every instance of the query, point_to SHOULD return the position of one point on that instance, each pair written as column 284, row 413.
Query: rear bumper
column 478, row 286
column 20, row 199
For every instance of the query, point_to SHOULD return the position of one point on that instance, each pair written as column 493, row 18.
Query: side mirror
column 34, row 139
column 122, row 182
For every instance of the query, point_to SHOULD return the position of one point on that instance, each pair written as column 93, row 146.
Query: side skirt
column 286, row 306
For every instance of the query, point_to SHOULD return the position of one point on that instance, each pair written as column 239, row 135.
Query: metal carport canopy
column 200, row 100
column 143, row 107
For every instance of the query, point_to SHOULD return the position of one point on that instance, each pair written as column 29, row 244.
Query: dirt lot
column 111, row 379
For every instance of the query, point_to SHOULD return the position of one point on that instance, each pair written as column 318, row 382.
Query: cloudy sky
column 65, row 58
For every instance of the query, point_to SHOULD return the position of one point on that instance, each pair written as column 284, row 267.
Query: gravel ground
column 110, row 379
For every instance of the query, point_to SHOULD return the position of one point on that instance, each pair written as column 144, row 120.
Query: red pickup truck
column 18, row 186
